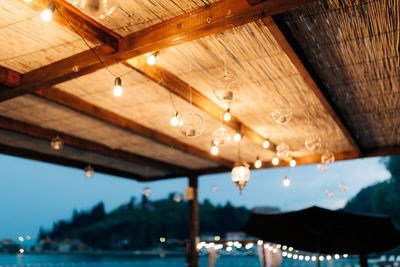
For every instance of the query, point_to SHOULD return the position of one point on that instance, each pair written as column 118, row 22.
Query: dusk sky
column 35, row 194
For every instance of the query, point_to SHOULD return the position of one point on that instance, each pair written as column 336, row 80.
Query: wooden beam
column 213, row 18
column 47, row 134
column 82, row 106
column 292, row 49
column 69, row 16
column 178, row 87
column 9, row 77
column 34, row 155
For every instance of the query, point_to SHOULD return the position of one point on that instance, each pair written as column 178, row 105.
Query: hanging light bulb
column 293, row 163
column 313, row 142
column 286, row 181
column 227, row 115
column 226, row 87
column 47, row 14
column 241, row 174
column 214, row 149
column 146, row 191
column 151, row 59
column 89, row 171
column 191, row 125
column 282, row 113
column 275, row 160
column 266, row 144
column 221, row 136
column 283, row 151
column 117, row 87
column 327, row 158
column 57, row 143
column 175, row 119
column 258, row 163
column 28, row 1
column 237, row 137
column 177, row 197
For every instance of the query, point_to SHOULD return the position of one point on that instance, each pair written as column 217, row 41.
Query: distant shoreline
column 152, row 253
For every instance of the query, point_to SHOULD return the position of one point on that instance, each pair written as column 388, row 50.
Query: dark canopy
column 320, row 230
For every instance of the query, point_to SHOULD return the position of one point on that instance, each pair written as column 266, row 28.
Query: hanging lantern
column 57, row 143
column 282, row 113
column 89, row 171
column 241, row 174
column 283, row 151
column 177, row 197
column 221, row 136
column 95, row 8
column 327, row 158
column 313, row 143
column 146, row 191
column 286, row 181
column 191, row 125
column 226, row 88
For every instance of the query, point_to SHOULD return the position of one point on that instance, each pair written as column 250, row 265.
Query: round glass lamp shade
column 282, row 113
column 57, row 143
column 146, row 191
column 313, row 142
column 241, row 174
column 95, row 8
column 191, row 125
column 327, row 158
column 226, row 88
column 221, row 136
column 89, row 171
column 283, row 150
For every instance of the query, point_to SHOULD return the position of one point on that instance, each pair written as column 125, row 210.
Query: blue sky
column 34, row 194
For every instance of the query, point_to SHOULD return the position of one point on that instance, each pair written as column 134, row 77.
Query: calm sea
column 109, row 261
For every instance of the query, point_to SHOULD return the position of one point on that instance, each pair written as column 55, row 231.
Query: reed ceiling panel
column 266, row 75
column 28, row 43
column 354, row 47
column 35, row 110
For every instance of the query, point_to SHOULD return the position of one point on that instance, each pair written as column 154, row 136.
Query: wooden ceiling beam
column 69, row 16
column 213, row 18
column 9, row 80
column 82, row 106
column 47, row 134
column 289, row 45
column 180, row 88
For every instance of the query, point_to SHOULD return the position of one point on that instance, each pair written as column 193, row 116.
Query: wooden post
column 192, row 253
column 363, row 260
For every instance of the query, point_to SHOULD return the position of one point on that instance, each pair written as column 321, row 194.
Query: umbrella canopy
column 320, row 230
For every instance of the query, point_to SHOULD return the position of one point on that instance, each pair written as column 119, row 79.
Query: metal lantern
column 191, row 125
column 241, row 174
column 221, row 136
column 282, row 113
column 226, row 88
column 327, row 158
column 313, row 143
column 57, row 143
column 89, row 171
column 146, row 191
column 283, row 151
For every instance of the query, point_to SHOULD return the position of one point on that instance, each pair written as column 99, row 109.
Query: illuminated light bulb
column 284, row 247
column 214, row 149
column 146, row 191
column 290, row 249
column 258, row 163
column 177, row 197
column 289, row 255
column 328, row 258
column 345, row 256
column 89, row 171
column 314, row 258
column 117, row 87
column 162, row 239
column 307, row 258
column 301, row 257
column 295, row 256
column 217, row 238
column 28, row 1
column 57, row 143
column 337, row 256
column 284, row 254
column 229, row 249
column 230, row 244
column 293, row 163
column 260, row 242
column 321, row 258
column 266, row 144
column 274, row 250
column 47, row 14
column 278, row 246
column 286, row 183
column 275, row 160
column 151, row 60
column 21, row 250
column 227, row 115
column 237, row 137
column 175, row 119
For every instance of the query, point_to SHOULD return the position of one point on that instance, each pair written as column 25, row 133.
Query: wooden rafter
column 69, row 16
column 289, row 45
column 213, row 18
column 182, row 89
column 87, row 145
column 82, row 106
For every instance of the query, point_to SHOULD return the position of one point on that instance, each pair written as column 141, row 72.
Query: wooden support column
column 192, row 253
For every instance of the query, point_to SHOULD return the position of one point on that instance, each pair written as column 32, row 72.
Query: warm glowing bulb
column 286, row 181
column 151, row 60
column 266, row 144
column 175, row 119
column 227, row 115
column 257, row 163
column 46, row 15
column 237, row 137
column 214, row 150
column 293, row 163
column 275, row 161
column 28, row 1
column 117, row 88
column 337, row 256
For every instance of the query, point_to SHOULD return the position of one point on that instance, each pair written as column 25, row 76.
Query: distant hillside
column 138, row 226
